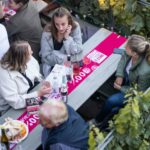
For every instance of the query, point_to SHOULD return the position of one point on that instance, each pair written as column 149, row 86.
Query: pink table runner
column 97, row 56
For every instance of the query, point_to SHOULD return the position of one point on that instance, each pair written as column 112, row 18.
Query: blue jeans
column 111, row 106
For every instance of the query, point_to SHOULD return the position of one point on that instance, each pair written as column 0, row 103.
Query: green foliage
column 95, row 137
column 132, row 123
column 125, row 16
column 92, row 12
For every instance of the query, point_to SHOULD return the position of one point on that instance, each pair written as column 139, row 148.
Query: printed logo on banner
column 86, row 70
column 96, row 56
column 94, row 67
column 30, row 120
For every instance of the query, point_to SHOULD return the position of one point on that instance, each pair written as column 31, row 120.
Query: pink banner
column 97, row 56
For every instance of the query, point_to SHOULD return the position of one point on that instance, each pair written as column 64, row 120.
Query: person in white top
column 18, row 73
column 4, row 43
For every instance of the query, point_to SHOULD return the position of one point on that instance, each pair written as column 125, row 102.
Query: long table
column 79, row 95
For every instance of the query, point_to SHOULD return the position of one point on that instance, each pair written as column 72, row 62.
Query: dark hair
column 139, row 45
column 16, row 57
column 21, row 1
column 60, row 12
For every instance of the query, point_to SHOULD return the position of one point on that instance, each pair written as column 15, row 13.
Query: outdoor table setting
column 86, row 76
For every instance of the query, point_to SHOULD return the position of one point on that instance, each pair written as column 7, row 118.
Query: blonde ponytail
column 139, row 45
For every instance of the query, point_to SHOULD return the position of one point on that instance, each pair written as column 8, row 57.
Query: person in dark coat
column 63, row 127
column 24, row 25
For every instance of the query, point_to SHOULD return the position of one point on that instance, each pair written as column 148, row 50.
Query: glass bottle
column 55, row 84
column 4, row 143
column 68, row 68
column 64, row 89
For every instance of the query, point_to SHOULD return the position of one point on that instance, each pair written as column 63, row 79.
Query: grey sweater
column 72, row 45
column 25, row 25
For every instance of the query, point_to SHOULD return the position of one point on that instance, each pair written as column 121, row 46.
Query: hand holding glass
column 45, row 88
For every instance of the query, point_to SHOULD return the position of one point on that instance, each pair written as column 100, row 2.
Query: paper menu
column 58, row 71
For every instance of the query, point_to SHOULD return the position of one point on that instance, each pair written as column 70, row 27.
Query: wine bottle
column 4, row 143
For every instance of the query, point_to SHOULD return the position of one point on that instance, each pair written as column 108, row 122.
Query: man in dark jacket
column 63, row 127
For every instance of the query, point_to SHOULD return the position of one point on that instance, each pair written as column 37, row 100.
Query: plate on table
column 17, row 129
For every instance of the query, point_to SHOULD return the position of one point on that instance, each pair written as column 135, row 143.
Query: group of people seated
column 22, row 35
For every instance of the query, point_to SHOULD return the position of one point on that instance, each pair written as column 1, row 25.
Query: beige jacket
column 14, row 87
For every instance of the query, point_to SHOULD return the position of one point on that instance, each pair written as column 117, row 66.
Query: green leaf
column 137, row 23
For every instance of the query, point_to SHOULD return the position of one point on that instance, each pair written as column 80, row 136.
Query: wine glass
column 86, row 60
column 76, row 66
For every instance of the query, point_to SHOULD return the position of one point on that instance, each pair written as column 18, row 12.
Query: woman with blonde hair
column 19, row 73
column 133, row 68
column 61, row 38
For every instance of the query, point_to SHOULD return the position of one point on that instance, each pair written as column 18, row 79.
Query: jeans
column 111, row 106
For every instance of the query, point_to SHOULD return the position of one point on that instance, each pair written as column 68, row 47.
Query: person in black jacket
column 63, row 127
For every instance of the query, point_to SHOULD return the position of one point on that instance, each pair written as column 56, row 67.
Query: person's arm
column 48, row 54
column 9, row 91
column 4, row 43
column 122, row 65
column 144, row 82
column 73, row 43
column 35, row 68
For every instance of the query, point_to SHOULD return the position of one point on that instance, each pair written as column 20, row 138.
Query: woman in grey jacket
column 61, row 38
